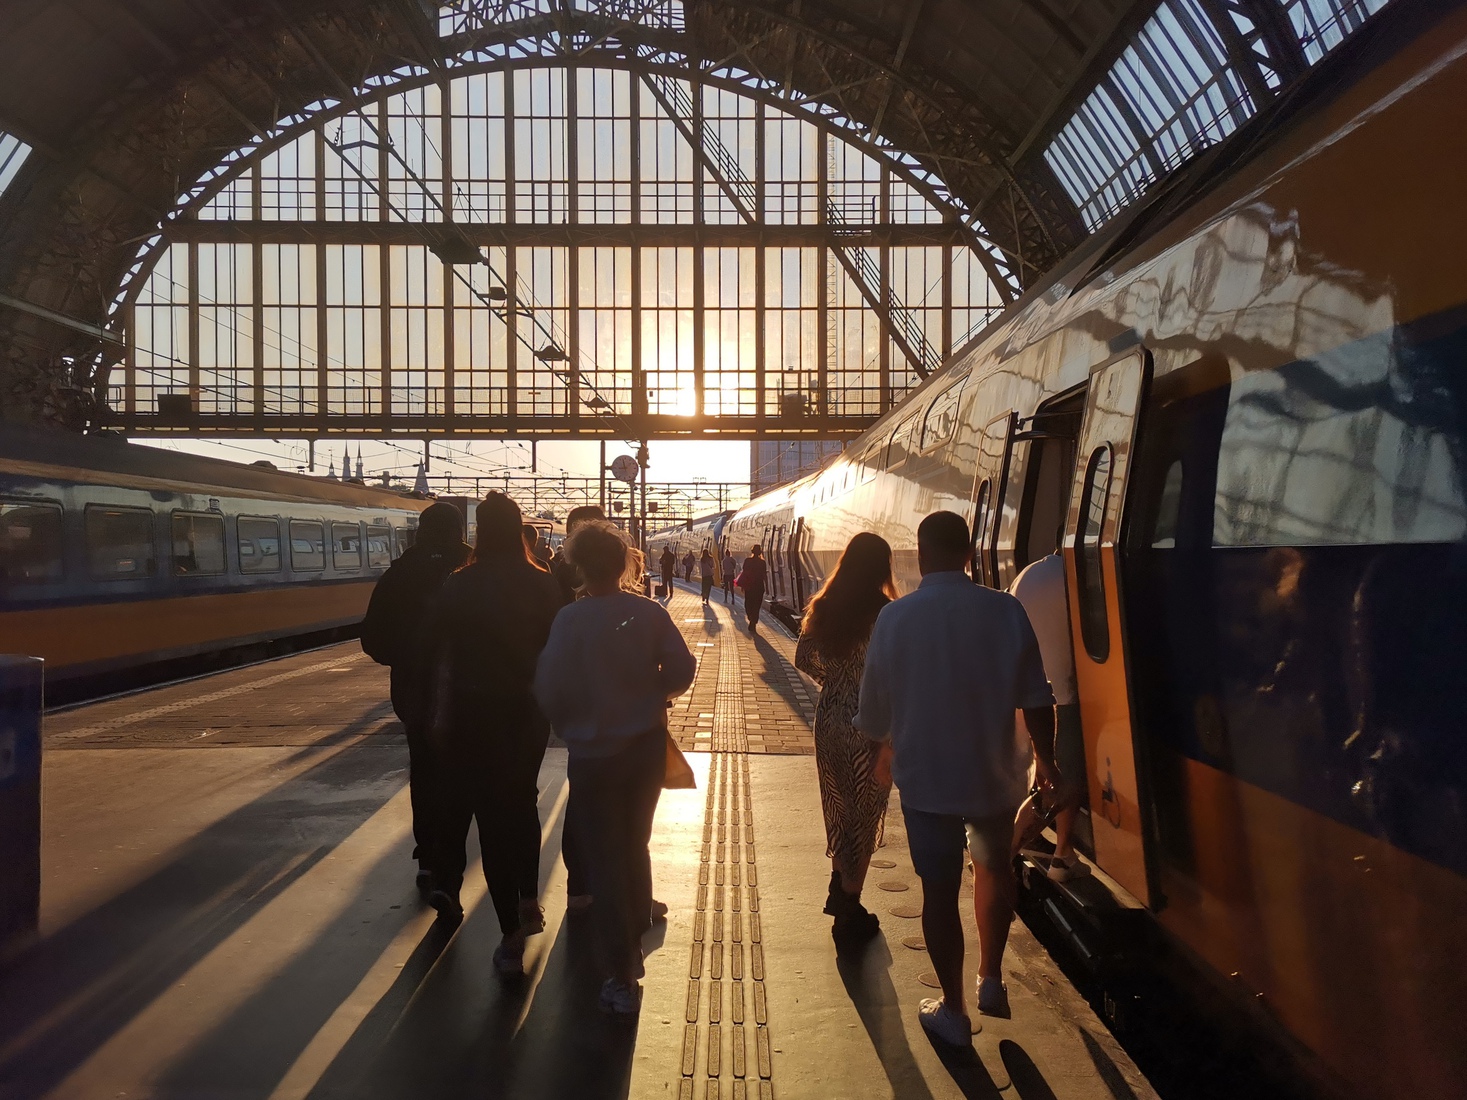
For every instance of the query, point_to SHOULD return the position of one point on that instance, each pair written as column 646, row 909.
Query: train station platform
column 229, row 912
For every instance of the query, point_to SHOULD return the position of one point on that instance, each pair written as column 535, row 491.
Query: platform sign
column 20, row 796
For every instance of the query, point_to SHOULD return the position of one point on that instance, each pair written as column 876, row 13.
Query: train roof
column 73, row 457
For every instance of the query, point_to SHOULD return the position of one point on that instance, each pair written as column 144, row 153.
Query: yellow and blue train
column 1241, row 414
column 116, row 557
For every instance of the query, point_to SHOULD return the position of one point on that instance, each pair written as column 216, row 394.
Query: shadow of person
column 868, row 984
column 1029, row 1083
column 967, row 1071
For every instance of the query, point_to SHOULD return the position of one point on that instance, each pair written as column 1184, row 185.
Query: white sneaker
column 941, row 1022
column 993, row 998
column 1062, row 870
column 620, row 998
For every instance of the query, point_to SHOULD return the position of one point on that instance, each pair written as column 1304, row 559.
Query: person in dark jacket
column 688, row 562
column 390, row 636
column 668, row 564
column 486, row 629
column 566, row 574
column 755, row 576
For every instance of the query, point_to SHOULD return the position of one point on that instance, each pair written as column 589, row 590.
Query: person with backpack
column 391, row 636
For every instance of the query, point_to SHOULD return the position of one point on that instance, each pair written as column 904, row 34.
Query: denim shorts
column 936, row 842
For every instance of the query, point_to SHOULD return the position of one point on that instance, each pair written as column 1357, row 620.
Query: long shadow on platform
column 868, row 983
column 448, row 983
column 70, row 993
column 454, row 1029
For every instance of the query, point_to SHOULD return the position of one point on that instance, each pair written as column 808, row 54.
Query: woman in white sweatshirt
column 613, row 661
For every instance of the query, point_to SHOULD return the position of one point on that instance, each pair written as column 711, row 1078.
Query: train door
column 1097, row 500
column 988, row 483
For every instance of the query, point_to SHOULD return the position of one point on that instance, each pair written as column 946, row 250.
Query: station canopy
column 573, row 218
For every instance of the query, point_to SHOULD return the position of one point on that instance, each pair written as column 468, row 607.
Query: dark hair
column 944, row 534
column 757, row 552
column 499, row 522
column 440, row 524
column 598, row 550
column 707, row 553
column 577, row 516
column 843, row 611
column 531, row 534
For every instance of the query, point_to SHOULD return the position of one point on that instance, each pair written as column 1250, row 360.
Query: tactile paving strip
column 726, row 1034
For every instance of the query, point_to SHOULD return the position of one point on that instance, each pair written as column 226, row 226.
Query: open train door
column 988, row 484
column 1097, row 511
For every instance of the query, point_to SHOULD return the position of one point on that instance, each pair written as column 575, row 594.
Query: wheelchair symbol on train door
column 1110, row 802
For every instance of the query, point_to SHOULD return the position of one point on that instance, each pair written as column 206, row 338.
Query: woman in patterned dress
column 832, row 650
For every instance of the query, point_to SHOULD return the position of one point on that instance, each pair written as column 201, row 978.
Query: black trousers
column 422, row 782
column 707, row 588
column 489, row 776
column 753, row 604
column 616, row 798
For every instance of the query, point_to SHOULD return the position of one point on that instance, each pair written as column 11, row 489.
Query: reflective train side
column 1242, row 413
column 114, row 556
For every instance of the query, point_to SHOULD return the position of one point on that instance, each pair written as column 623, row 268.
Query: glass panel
column 120, row 542
column 30, row 542
column 259, row 545
column 346, row 546
column 307, row 547
column 1090, row 580
column 198, row 545
column 980, row 513
column 379, row 547
column 406, row 536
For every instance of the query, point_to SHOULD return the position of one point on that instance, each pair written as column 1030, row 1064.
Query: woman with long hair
column 832, row 651
column 489, row 623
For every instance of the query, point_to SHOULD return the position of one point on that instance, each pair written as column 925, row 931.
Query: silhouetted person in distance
column 391, row 635
column 613, row 662
column 668, row 565
column 577, row 877
column 688, row 563
column 730, row 570
column 706, row 569
column 946, row 668
column 487, row 626
column 754, row 577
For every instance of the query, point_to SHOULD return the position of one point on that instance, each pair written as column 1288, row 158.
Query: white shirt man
column 946, row 668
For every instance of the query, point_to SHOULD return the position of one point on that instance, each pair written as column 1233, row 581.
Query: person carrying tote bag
column 613, row 661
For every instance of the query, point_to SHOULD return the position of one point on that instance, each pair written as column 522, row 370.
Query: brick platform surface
column 778, row 703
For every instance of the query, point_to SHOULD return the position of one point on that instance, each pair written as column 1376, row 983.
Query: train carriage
column 1241, row 414
column 115, row 557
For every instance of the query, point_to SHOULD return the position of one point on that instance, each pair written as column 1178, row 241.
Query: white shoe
column 941, row 1022
column 620, row 998
column 993, row 998
column 1062, row 870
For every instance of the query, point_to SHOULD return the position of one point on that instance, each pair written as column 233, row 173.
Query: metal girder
column 585, row 234
column 495, row 425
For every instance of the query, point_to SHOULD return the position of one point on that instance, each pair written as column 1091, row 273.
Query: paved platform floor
column 239, row 920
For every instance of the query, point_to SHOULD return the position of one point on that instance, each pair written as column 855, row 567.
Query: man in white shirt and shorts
column 946, row 668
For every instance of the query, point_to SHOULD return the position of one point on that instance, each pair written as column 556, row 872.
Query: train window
column 198, row 545
column 259, row 544
column 379, row 547
column 406, row 536
column 346, row 546
column 980, row 521
column 30, row 541
column 120, row 542
column 307, row 546
column 1089, row 578
column 942, row 417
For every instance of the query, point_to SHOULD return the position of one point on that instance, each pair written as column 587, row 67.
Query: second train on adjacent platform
column 1241, row 414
